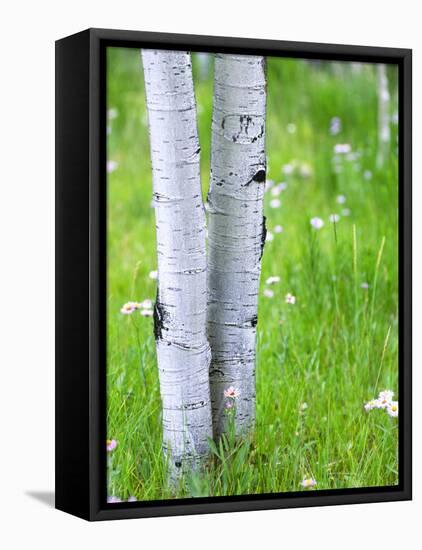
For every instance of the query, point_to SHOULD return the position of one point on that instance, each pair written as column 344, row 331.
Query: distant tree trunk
column 236, row 234
column 183, row 353
column 383, row 115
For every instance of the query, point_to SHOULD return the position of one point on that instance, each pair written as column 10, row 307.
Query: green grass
column 335, row 349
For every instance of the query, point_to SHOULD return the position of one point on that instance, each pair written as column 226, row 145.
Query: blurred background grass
column 320, row 359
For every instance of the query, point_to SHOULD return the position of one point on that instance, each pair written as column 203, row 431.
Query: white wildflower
column 352, row 156
column 393, row 408
column 317, row 223
column 272, row 280
column 231, row 392
column 305, row 170
column 308, row 482
column 342, row 148
column 112, row 166
column 112, row 499
column 129, row 308
column 147, row 312
column 290, row 299
column 373, row 404
column 146, row 304
column 335, row 126
column 384, row 401
column 112, row 113
column 386, row 396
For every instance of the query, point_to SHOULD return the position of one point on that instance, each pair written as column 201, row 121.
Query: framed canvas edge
column 99, row 38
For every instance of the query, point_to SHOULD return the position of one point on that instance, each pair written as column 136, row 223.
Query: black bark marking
column 193, row 406
column 259, row 177
column 242, row 128
column 216, row 371
column 254, row 321
column 264, row 65
column 263, row 235
column 160, row 317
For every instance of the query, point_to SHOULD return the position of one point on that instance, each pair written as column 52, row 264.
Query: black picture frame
column 81, row 273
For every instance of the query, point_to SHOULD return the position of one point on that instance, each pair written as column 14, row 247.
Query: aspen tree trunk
column 183, row 353
column 383, row 115
column 236, row 234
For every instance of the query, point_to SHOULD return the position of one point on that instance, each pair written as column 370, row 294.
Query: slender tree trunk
column 236, row 234
column 384, row 133
column 183, row 353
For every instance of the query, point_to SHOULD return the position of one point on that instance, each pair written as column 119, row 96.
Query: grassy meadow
column 319, row 359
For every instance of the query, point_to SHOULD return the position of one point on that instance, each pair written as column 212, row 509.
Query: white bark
column 183, row 353
column 384, row 133
column 236, row 233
